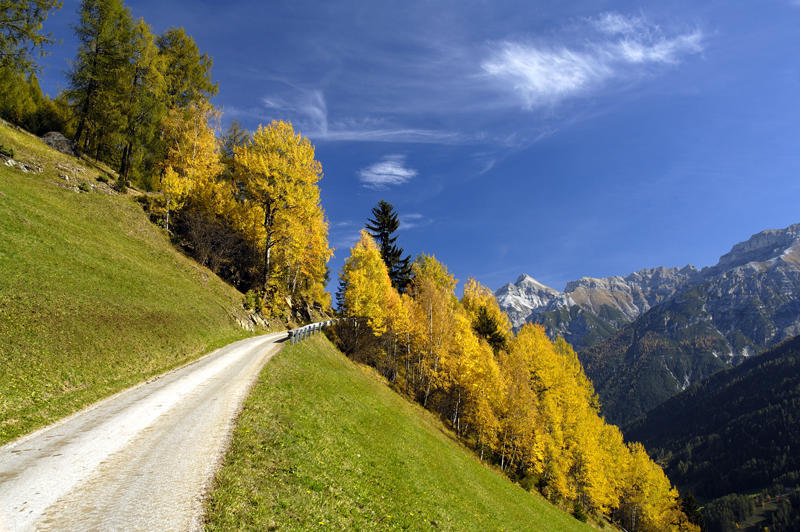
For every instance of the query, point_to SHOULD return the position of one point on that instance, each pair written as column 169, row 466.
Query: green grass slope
column 93, row 298
column 323, row 443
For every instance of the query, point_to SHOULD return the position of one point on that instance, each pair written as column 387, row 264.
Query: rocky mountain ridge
column 644, row 337
column 602, row 304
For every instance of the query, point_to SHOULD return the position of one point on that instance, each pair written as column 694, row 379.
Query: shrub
column 6, row 152
column 579, row 513
column 84, row 187
column 121, row 185
column 102, row 178
column 253, row 301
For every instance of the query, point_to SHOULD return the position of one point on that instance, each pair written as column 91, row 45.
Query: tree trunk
column 125, row 164
column 455, row 414
column 87, row 102
column 267, row 243
column 294, row 282
column 100, row 139
column 430, row 353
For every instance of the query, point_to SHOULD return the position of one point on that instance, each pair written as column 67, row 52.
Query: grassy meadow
column 323, row 443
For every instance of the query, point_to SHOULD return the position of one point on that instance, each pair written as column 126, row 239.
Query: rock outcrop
column 59, row 142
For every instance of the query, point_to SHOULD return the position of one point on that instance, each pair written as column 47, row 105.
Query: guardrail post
column 301, row 333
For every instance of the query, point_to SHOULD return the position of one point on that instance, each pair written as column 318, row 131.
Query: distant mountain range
column 590, row 309
column 647, row 336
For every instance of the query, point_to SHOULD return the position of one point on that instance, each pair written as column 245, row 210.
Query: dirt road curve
column 140, row 460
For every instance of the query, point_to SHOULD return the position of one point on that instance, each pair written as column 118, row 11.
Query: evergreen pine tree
column 381, row 226
column 692, row 511
column 340, row 290
column 143, row 108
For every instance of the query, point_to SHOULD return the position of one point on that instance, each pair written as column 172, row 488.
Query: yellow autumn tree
column 367, row 288
column 649, row 502
column 278, row 174
column 434, row 308
column 192, row 163
column 521, row 434
column 403, row 329
column 398, row 335
column 474, row 383
column 521, row 400
column 488, row 320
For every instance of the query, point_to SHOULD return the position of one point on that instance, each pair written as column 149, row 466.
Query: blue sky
column 589, row 139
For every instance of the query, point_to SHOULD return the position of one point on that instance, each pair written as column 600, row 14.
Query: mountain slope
column 93, row 297
column 736, row 432
column 647, row 336
column 324, row 443
column 734, row 310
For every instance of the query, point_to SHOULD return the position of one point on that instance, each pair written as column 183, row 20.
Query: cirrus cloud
column 546, row 74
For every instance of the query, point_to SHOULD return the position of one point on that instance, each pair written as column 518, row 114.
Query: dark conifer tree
column 381, row 226
column 692, row 511
column 340, row 290
column 487, row 328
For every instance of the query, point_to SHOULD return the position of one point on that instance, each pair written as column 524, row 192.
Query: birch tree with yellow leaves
column 435, row 304
column 278, row 175
column 367, row 300
column 474, row 384
column 193, row 159
column 488, row 321
column 367, row 285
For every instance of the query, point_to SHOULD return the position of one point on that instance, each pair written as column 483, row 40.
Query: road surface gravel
column 142, row 459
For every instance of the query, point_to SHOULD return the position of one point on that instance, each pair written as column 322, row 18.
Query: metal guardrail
column 301, row 333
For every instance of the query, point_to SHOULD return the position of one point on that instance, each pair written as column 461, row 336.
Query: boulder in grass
column 59, row 142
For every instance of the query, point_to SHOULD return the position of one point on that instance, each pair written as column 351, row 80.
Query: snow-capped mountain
column 526, row 296
column 610, row 301
column 646, row 336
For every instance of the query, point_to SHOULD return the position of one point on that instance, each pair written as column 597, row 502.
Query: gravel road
column 139, row 460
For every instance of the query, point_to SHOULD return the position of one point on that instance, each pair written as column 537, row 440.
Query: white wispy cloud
column 616, row 23
column 543, row 76
column 307, row 109
column 419, row 136
column 391, row 170
column 345, row 240
column 413, row 221
column 546, row 74
column 342, row 224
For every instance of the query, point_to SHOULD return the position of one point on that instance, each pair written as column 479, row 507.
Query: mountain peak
column 523, row 278
column 528, row 280
column 760, row 247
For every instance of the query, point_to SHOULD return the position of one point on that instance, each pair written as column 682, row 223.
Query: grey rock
column 59, row 142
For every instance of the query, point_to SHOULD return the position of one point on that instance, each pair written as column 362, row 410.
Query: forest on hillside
column 245, row 205
column 520, row 400
column 734, row 434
